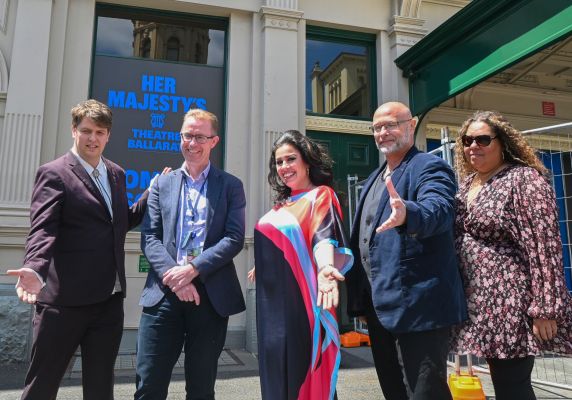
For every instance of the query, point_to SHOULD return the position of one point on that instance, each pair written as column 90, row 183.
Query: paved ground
column 238, row 379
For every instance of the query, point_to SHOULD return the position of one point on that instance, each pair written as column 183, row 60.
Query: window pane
column 162, row 39
column 338, row 78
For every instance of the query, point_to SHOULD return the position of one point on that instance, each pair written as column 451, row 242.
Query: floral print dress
column 510, row 256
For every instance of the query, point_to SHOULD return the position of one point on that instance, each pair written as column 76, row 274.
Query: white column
column 280, row 58
column 22, row 131
column 402, row 34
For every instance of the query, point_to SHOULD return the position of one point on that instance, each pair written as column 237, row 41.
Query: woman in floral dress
column 510, row 253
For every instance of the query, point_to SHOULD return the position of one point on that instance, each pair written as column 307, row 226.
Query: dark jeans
column 410, row 365
column 58, row 331
column 163, row 331
column 511, row 378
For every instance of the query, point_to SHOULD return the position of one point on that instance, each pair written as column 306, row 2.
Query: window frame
column 368, row 40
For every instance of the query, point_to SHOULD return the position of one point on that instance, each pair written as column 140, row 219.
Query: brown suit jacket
column 74, row 244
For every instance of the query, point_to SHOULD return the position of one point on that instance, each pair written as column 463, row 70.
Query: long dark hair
column 317, row 158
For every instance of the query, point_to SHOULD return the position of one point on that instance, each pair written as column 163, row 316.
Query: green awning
column 479, row 41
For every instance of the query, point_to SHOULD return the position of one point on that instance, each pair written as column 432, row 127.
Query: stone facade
column 15, row 319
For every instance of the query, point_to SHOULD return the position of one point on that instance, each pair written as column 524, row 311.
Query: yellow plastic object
column 466, row 387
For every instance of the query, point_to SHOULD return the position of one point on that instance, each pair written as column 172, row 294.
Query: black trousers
column 58, row 331
column 511, row 378
column 410, row 365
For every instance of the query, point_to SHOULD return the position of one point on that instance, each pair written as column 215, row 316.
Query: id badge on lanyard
column 192, row 252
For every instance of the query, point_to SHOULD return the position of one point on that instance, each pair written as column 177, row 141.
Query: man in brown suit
column 74, row 268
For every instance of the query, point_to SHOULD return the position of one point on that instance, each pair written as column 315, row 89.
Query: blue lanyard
column 193, row 207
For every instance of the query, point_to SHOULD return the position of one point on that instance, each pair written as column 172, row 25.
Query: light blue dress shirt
column 191, row 232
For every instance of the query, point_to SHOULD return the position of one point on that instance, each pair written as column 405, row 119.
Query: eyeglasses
column 200, row 139
column 482, row 140
column 389, row 126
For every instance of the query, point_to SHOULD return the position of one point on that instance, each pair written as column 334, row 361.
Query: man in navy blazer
column 193, row 228
column 405, row 281
column 74, row 268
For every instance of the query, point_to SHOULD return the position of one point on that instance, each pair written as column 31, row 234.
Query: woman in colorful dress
column 301, row 254
column 510, row 252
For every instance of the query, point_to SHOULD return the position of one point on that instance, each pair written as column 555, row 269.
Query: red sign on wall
column 548, row 108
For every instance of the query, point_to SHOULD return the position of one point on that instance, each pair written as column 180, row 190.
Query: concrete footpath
column 237, row 379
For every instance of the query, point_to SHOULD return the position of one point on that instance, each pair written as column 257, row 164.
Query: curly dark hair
column 313, row 154
column 515, row 147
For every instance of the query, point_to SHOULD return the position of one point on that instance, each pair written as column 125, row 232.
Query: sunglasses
column 482, row 140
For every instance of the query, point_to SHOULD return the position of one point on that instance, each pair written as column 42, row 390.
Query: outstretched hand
column 28, row 286
column 328, row 294
column 398, row 210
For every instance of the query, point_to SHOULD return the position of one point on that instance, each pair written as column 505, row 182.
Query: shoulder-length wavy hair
column 318, row 160
column 515, row 148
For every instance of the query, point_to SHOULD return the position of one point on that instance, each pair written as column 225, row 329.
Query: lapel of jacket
column 113, row 182
column 359, row 209
column 81, row 173
column 175, row 185
column 214, row 187
column 396, row 175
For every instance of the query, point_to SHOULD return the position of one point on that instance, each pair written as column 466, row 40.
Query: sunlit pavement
column 237, row 379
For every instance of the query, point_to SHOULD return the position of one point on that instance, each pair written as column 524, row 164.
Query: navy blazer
column 224, row 239
column 74, row 244
column 415, row 280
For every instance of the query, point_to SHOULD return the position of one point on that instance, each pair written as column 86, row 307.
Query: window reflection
column 160, row 40
column 338, row 78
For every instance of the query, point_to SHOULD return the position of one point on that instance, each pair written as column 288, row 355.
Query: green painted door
column 352, row 155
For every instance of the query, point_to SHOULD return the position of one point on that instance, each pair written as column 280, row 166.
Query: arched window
column 173, row 46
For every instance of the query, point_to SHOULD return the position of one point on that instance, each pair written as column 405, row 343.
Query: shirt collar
column 89, row 169
column 203, row 175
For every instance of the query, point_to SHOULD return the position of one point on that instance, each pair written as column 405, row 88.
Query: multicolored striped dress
column 298, row 342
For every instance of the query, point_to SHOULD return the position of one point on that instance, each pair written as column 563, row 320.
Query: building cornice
column 338, row 125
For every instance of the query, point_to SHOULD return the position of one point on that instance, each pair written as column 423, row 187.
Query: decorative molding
column 338, row 125
column 283, row 4
column 280, row 18
column 406, row 31
column 410, row 8
column 19, row 149
column 4, row 5
column 12, row 237
column 408, row 21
